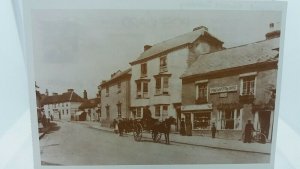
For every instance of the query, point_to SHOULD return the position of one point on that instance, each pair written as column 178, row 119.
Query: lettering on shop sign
column 223, row 89
column 222, row 95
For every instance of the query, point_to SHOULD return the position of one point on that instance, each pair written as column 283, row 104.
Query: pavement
column 218, row 143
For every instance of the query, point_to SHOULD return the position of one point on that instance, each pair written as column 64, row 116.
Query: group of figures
column 248, row 136
column 147, row 123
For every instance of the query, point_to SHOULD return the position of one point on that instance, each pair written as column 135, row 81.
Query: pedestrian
column 188, row 128
column 249, row 128
column 182, row 127
column 121, row 127
column 115, row 125
column 213, row 130
column 59, row 115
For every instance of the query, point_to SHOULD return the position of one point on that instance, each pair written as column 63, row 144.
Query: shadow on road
column 46, row 163
column 53, row 127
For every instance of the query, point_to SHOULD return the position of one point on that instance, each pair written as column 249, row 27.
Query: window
column 142, row 89
column 248, row 85
column 202, row 120
column 157, row 111
column 230, row 119
column 165, row 111
column 119, row 110
column 107, row 112
column 163, row 64
column 67, row 111
column 144, row 70
column 145, row 90
column 107, row 91
column 63, row 112
column 201, row 95
column 119, row 87
column 66, row 104
column 162, row 85
column 138, row 112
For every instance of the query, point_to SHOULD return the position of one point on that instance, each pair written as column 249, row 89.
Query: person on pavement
column 249, row 128
column 213, row 130
column 182, row 127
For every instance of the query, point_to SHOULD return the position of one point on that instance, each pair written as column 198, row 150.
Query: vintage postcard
column 155, row 87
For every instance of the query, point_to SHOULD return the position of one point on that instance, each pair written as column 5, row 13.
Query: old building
column 232, row 86
column 90, row 110
column 62, row 106
column 156, row 72
column 115, row 97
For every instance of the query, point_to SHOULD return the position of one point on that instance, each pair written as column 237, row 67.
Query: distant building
column 62, row 106
column 232, row 86
column 156, row 72
column 90, row 109
column 115, row 97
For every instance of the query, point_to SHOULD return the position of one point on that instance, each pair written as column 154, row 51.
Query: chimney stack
column 85, row 94
column 47, row 93
column 70, row 90
column 274, row 31
column 201, row 27
column 146, row 47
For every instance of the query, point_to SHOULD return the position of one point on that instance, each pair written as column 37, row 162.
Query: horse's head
column 171, row 120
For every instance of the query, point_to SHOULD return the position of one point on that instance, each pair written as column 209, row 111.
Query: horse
column 163, row 127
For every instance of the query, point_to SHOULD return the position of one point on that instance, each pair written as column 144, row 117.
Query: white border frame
column 154, row 5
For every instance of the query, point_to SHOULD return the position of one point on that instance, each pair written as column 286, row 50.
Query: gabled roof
column 117, row 77
column 69, row 96
column 90, row 103
column 258, row 52
column 170, row 44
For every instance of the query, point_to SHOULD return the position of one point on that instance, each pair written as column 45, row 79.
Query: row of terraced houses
column 194, row 77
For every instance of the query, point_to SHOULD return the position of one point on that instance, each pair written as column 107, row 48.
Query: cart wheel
column 260, row 138
column 137, row 134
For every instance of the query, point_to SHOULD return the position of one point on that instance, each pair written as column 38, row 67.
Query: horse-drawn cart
column 152, row 126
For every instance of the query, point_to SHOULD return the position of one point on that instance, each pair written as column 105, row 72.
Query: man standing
column 213, row 130
column 182, row 127
column 249, row 128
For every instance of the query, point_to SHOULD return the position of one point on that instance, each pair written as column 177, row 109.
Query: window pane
column 202, row 120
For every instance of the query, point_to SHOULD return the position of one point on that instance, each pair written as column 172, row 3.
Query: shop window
column 230, row 119
column 202, row 120
column 144, row 70
column 201, row 95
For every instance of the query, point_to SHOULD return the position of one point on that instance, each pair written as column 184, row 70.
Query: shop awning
column 196, row 107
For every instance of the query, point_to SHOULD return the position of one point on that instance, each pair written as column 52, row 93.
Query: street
column 77, row 144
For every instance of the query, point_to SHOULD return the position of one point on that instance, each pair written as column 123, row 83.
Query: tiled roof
column 118, row 76
column 258, row 52
column 70, row 96
column 170, row 44
column 90, row 103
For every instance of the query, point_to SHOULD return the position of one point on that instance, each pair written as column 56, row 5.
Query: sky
column 79, row 48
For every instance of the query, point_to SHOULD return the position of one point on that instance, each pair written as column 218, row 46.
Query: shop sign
column 222, row 95
column 223, row 89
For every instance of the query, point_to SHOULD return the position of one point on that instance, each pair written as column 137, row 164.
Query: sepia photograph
column 155, row 87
